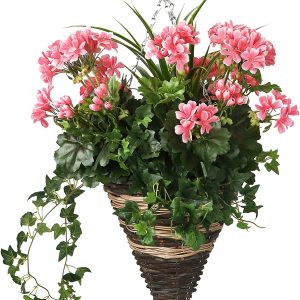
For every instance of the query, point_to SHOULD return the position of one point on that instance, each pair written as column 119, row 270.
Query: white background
column 259, row 264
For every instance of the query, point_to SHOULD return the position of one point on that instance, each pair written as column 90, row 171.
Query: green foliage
column 217, row 143
column 171, row 90
column 269, row 159
column 73, row 153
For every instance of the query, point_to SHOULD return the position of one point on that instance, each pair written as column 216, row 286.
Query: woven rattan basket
column 170, row 269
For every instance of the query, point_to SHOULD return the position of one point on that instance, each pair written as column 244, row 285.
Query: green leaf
column 171, row 90
column 68, row 213
column 266, row 88
column 113, row 90
column 8, row 256
column 236, row 179
column 269, row 158
column 130, row 212
column 149, row 217
column 144, row 115
column 81, row 271
column 195, row 13
column 22, row 237
column 149, row 89
column 71, row 277
column 72, row 153
column 194, row 239
column 28, row 219
column 145, row 232
column 65, row 249
column 150, row 147
column 242, row 225
column 214, row 144
column 42, row 228
column 25, row 297
column 151, row 198
column 75, row 229
column 58, row 230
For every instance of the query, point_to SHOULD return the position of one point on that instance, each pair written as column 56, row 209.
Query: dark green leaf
column 21, row 238
column 8, row 256
column 28, row 219
column 65, row 249
column 81, row 271
column 75, row 229
column 131, row 212
column 68, row 213
column 71, row 277
column 214, row 144
column 72, row 153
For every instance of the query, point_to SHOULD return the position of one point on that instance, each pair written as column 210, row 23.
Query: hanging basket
column 170, row 269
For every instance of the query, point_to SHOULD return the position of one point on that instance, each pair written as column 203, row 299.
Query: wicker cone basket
column 170, row 269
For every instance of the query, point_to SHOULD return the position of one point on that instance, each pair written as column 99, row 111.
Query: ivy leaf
column 171, row 90
column 145, row 232
column 22, row 237
column 65, row 250
column 194, row 239
column 269, row 158
column 71, row 277
column 58, row 230
column 75, row 229
column 149, row 217
column 144, row 115
column 242, row 225
column 28, row 219
column 25, row 297
column 130, row 212
column 68, row 213
column 72, row 153
column 8, row 256
column 151, row 198
column 214, row 144
column 150, row 148
column 236, row 179
column 81, row 271
column 42, row 228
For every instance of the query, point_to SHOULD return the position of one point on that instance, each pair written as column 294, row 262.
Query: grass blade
column 131, row 35
column 146, row 25
column 195, row 13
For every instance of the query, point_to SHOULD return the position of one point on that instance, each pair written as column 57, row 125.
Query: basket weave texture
column 170, row 269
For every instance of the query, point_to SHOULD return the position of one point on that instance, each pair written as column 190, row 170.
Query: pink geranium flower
column 206, row 116
column 239, row 42
column 111, row 65
column 185, row 129
column 42, row 107
column 64, row 107
column 229, row 92
column 172, row 44
column 73, row 47
column 285, row 120
column 186, row 111
column 267, row 104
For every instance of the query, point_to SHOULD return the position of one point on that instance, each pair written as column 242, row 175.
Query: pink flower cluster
column 69, row 50
column 64, row 107
column 274, row 102
column 229, row 92
column 101, row 93
column 42, row 107
column 172, row 44
column 190, row 115
column 241, row 43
